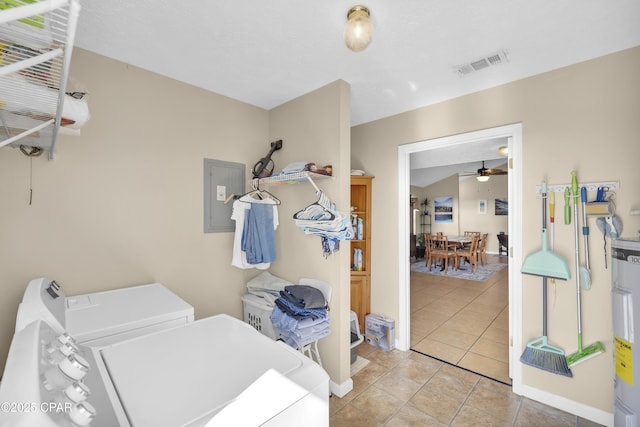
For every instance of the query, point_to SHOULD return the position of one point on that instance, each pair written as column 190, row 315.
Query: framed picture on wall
column 443, row 209
column 502, row 206
column 482, row 207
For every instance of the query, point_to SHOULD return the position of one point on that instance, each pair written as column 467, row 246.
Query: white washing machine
column 102, row 318
column 217, row 371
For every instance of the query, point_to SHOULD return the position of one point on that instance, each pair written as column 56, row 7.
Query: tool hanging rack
column 36, row 41
column 604, row 205
column 590, row 186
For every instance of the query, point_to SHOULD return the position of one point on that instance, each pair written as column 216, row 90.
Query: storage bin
column 356, row 336
column 380, row 331
column 257, row 313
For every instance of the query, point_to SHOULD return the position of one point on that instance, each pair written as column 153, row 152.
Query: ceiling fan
column 484, row 173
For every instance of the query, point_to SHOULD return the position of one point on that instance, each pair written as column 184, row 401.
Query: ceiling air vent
column 482, row 63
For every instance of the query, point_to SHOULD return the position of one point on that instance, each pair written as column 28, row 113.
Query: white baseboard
column 567, row 405
column 341, row 390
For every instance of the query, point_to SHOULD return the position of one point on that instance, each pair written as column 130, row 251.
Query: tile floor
column 406, row 388
column 460, row 322
column 463, row 322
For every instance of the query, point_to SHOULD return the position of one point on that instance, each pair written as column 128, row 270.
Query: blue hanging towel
column 258, row 236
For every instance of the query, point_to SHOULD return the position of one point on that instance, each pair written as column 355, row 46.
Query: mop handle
column 544, row 278
column 585, row 226
column 574, row 186
column 552, row 213
column 567, row 207
column 552, row 210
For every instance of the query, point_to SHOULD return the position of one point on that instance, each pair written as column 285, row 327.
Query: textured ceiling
column 269, row 52
column 266, row 53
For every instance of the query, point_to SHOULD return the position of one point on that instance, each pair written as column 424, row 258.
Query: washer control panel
column 53, row 394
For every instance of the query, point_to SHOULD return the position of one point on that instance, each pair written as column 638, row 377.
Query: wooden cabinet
column 360, row 297
column 361, row 245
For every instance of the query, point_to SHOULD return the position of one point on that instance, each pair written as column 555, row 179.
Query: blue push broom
column 538, row 352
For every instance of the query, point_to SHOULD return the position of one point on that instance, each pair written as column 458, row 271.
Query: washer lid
column 101, row 314
column 176, row 376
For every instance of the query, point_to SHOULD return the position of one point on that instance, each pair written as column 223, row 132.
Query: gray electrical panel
column 221, row 181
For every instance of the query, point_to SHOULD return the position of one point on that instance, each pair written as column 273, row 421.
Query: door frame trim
column 514, row 134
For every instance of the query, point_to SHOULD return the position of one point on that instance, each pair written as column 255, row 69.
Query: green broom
column 538, row 352
column 597, row 347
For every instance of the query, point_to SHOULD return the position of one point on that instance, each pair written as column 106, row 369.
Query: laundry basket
column 356, row 336
column 257, row 313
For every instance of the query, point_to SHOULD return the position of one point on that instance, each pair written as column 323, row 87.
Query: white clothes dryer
column 102, row 318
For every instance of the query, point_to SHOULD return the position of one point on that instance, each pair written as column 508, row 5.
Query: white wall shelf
column 289, row 178
column 37, row 39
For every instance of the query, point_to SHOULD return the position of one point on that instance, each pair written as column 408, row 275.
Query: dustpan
column 539, row 353
column 546, row 263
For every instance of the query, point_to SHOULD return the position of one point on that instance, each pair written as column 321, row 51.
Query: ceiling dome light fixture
column 483, row 178
column 503, row 150
column 358, row 30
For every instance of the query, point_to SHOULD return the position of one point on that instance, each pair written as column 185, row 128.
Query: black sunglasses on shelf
column 77, row 95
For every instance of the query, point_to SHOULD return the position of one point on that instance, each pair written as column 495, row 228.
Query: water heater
column 625, row 254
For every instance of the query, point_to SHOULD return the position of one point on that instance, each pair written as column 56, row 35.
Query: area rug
column 357, row 366
column 482, row 273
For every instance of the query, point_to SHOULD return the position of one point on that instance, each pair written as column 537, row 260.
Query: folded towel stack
column 295, row 167
column 267, row 286
column 300, row 315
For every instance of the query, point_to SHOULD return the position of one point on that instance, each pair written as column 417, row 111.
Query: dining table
column 459, row 240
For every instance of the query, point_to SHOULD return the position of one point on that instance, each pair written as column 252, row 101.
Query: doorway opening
column 513, row 133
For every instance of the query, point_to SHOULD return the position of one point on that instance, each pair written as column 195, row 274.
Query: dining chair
column 482, row 247
column 445, row 251
column 470, row 234
column 428, row 243
column 469, row 253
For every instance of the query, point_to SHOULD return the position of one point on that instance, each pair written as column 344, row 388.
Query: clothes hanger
column 265, row 194
column 259, row 194
column 254, row 194
column 320, row 210
column 314, row 212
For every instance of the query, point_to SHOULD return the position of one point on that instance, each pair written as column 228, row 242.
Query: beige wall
column 315, row 128
column 123, row 203
column 581, row 117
